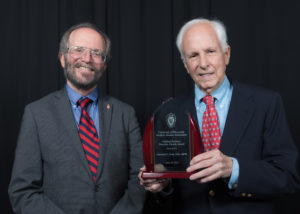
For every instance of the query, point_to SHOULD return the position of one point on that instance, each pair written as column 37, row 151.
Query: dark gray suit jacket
column 51, row 174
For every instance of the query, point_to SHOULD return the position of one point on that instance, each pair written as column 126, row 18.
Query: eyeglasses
column 77, row 52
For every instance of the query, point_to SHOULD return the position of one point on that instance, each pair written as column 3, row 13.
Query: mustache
column 78, row 65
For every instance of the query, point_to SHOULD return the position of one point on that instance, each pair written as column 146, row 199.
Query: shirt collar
column 219, row 93
column 74, row 96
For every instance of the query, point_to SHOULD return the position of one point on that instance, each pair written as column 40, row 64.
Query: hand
column 152, row 185
column 209, row 166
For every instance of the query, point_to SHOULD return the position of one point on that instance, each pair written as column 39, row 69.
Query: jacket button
column 211, row 193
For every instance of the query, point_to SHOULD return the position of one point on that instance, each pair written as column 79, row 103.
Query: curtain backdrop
column 145, row 68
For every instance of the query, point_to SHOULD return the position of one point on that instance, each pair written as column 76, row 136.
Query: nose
column 86, row 57
column 203, row 62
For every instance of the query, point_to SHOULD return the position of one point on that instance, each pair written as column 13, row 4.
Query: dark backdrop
column 146, row 67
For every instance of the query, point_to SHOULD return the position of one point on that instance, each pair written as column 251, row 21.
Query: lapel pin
column 108, row 106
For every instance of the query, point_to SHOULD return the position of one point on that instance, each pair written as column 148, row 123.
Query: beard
column 90, row 80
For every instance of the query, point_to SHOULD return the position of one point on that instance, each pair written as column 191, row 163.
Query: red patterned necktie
column 88, row 136
column 211, row 135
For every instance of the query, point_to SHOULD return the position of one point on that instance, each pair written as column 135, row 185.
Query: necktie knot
column 84, row 102
column 209, row 100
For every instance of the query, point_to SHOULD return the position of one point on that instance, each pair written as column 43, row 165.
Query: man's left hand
column 209, row 166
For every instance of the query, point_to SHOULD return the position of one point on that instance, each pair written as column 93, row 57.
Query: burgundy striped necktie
column 88, row 136
column 211, row 135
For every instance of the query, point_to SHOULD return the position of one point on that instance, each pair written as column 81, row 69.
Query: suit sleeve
column 275, row 174
column 25, row 188
column 134, row 196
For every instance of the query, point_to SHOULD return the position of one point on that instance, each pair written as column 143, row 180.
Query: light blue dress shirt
column 222, row 97
column 92, row 108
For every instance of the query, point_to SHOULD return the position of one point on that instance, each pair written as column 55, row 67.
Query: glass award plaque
column 171, row 139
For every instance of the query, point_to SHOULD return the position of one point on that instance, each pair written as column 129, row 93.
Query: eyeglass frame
column 90, row 50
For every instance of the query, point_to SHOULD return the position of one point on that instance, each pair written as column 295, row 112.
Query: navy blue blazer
column 257, row 134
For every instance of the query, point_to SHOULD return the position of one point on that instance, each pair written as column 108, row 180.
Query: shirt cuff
column 233, row 181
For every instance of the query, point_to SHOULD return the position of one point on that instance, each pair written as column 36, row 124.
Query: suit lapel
column 191, row 106
column 105, row 114
column 239, row 115
column 67, row 119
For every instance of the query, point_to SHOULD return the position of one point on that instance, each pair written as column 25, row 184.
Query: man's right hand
column 152, row 185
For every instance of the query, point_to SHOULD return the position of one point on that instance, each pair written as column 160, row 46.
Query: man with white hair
column 249, row 155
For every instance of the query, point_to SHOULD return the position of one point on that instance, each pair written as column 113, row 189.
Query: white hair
column 216, row 24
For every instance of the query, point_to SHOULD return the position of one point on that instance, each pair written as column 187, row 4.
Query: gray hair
column 64, row 42
column 216, row 24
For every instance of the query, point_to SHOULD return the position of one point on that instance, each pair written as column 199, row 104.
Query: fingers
column 152, row 185
column 203, row 156
column 207, row 174
column 200, row 163
column 210, row 166
column 156, row 186
column 142, row 169
column 204, row 160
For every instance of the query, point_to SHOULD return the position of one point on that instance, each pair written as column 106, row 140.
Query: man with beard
column 78, row 153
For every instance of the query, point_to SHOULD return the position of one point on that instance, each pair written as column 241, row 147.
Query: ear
column 62, row 60
column 105, row 66
column 184, row 62
column 227, row 54
column 185, row 65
